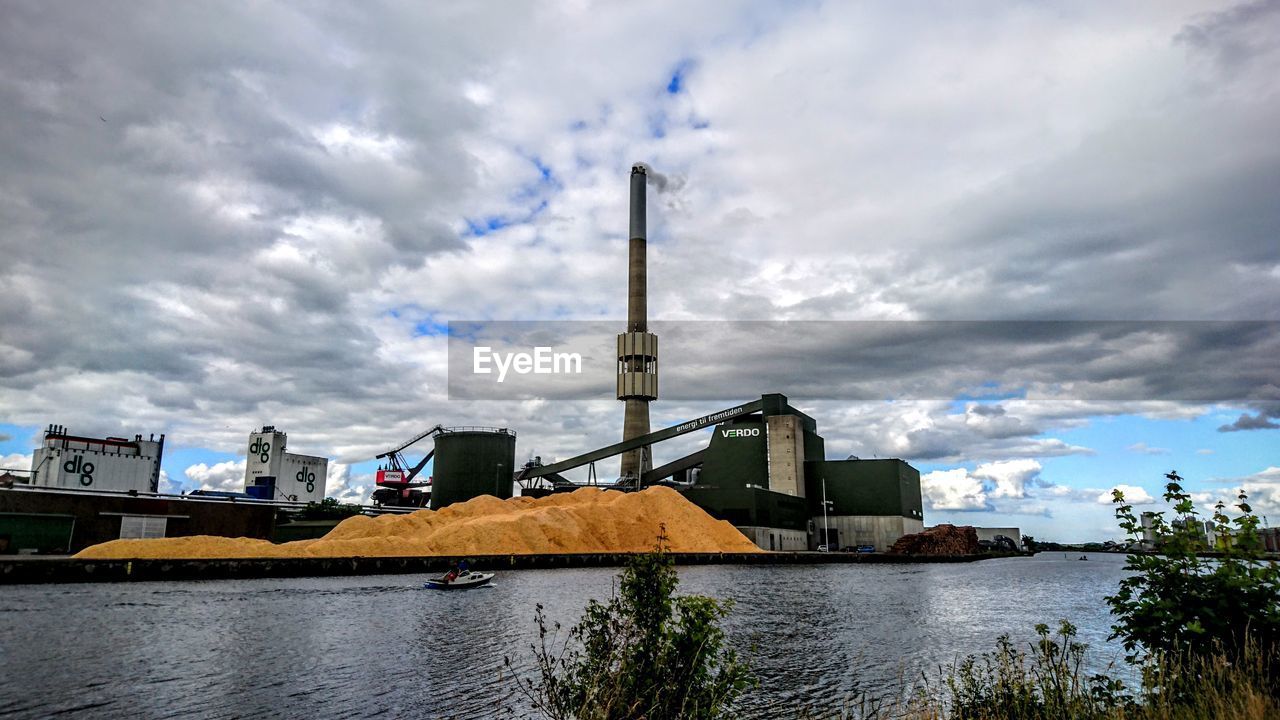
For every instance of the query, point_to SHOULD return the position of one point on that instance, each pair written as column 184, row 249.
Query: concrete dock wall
column 71, row 570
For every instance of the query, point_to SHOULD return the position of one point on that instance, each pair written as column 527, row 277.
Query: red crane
column 396, row 480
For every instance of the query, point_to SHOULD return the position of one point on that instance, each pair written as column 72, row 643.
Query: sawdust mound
column 939, row 540
column 584, row 521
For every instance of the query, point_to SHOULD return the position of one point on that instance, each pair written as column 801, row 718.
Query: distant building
column 86, row 463
column 870, row 502
column 989, row 535
column 1148, row 531
column 1270, row 539
column 271, row 473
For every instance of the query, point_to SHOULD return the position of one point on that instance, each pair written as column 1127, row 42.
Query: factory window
column 143, row 526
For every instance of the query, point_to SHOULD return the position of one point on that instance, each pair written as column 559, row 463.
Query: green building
column 766, row 474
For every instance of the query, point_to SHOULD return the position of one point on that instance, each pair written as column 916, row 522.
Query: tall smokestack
column 637, row 347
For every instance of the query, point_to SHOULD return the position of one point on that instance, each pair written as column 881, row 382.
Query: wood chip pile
column 584, row 521
column 939, row 540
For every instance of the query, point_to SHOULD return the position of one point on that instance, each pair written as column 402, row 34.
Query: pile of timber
column 939, row 540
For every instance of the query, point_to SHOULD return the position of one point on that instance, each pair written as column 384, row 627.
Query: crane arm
column 413, row 473
column 420, row 436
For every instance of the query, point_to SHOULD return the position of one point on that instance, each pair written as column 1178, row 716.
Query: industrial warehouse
column 764, row 470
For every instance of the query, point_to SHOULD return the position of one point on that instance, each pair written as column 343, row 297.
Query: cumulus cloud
column 15, row 461
column 264, row 216
column 1010, row 478
column 224, row 476
column 1265, row 402
column 979, row 489
column 1246, row 421
column 1133, row 495
column 1262, row 488
column 1143, row 449
column 955, row 489
column 347, row 487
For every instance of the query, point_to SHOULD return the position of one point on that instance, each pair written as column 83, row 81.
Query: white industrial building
column 989, row 534
column 271, row 473
column 85, row 463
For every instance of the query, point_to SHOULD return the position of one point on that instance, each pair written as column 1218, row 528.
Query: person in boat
column 456, row 571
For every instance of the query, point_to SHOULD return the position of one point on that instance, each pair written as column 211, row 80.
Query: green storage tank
column 471, row 462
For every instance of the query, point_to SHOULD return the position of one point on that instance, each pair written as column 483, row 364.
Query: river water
column 383, row 647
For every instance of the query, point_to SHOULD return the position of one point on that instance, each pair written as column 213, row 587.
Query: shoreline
column 31, row 570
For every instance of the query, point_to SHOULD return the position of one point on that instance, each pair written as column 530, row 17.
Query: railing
column 478, row 428
column 282, row 504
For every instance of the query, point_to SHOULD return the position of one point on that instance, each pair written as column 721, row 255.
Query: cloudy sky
column 220, row 215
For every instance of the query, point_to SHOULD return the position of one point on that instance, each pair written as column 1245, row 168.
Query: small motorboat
column 461, row 582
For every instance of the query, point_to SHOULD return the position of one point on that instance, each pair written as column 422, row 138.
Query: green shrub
column 644, row 654
column 1047, row 684
column 327, row 509
column 1178, row 603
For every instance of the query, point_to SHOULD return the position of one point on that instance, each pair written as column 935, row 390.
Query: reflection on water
column 381, row 646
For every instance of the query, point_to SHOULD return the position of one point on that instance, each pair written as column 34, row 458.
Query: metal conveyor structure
column 552, row 471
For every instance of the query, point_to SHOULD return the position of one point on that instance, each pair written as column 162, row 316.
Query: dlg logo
column 77, row 466
column 307, row 477
column 261, row 449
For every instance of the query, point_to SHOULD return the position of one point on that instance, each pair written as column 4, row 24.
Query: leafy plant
column 646, row 653
column 1046, row 684
column 1049, row 683
column 1178, row 603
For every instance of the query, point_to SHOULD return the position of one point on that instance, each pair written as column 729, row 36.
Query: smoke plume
column 661, row 182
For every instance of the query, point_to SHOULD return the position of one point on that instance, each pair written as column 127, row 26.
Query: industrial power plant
column 764, row 469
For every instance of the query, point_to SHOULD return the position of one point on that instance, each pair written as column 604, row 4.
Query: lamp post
column 826, row 531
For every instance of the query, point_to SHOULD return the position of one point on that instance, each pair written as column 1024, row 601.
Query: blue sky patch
column 543, row 170
column 676, row 84
column 21, row 440
column 430, row 328
column 484, row 226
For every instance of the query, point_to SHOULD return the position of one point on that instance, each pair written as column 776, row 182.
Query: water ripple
column 381, row 646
